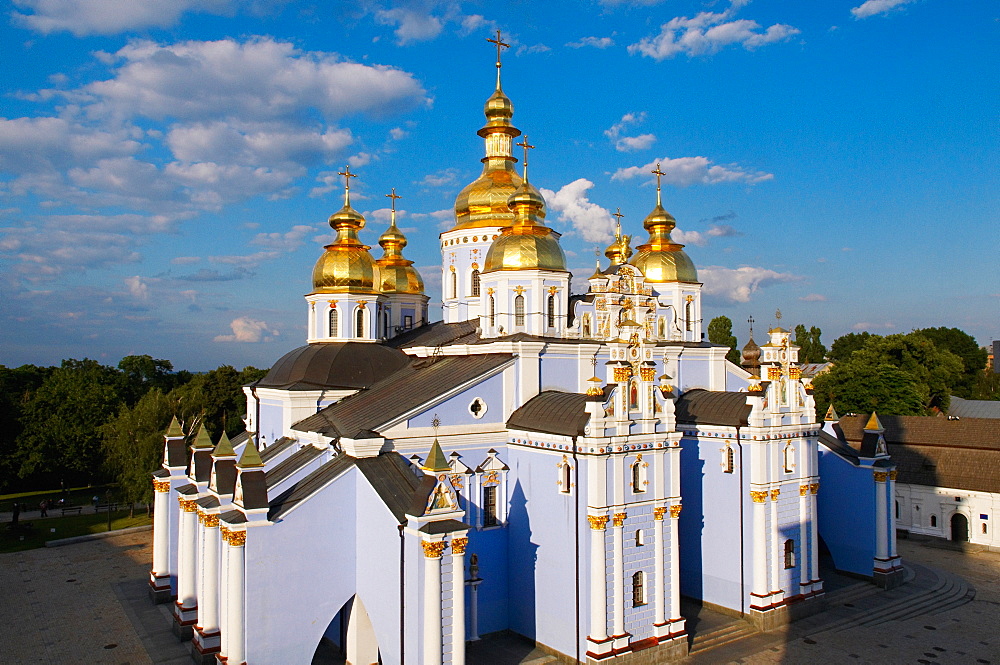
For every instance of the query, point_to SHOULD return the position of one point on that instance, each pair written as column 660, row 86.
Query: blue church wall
column 542, row 548
column 709, row 527
column 693, row 373
column 455, row 410
column 848, row 532
column 270, row 421
column 290, row 611
column 734, row 383
column 560, row 373
column 639, row 619
column 491, row 547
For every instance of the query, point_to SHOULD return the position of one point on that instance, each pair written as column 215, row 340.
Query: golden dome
column 661, row 259
column 619, row 251
column 346, row 266
column 396, row 273
column 527, row 244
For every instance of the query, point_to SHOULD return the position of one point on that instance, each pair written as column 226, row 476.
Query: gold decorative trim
column 597, row 522
column 892, row 475
column 880, row 476
column 803, row 490
column 794, row 373
column 675, row 511
column 458, row 545
column 758, row 497
column 774, row 494
column 773, row 373
column 658, row 513
column 622, row 374
column 161, row 485
column 814, row 488
column 187, row 505
column 618, row 519
column 647, row 373
column 433, row 549
column 211, row 520
column 237, row 538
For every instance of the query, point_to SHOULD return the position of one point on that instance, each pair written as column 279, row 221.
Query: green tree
column 858, row 386
column 843, row 347
column 986, row 386
column 17, row 385
column 933, row 370
column 811, row 349
column 142, row 373
column 218, row 397
column 720, row 331
column 965, row 347
column 133, row 444
column 62, row 420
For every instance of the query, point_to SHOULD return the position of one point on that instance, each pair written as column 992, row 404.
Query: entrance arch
column 349, row 639
column 960, row 528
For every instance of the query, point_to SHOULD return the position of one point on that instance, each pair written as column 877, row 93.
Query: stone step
column 724, row 635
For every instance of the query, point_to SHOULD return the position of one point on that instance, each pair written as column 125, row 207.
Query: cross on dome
column 347, row 183
column 392, row 198
column 618, row 230
column 658, row 173
column 527, row 146
column 500, row 45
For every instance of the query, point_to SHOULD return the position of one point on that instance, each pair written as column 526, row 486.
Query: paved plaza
column 87, row 603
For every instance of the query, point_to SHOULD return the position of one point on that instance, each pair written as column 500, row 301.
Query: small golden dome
column 483, row 202
column 527, row 245
column 660, row 259
column 498, row 106
column 619, row 251
column 346, row 266
column 396, row 273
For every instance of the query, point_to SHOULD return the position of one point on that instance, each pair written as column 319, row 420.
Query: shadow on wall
column 522, row 558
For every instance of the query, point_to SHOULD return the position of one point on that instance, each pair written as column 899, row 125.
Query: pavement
column 87, row 603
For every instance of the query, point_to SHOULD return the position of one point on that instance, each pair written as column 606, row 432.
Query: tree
column 858, row 386
column 843, row 347
column 62, row 418
column 141, row 373
column 218, row 397
column 720, row 331
column 811, row 349
column 17, row 385
column 965, row 347
column 133, row 444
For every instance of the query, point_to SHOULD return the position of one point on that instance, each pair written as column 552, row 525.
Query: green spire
column 225, row 447
column 202, row 439
column 874, row 424
column 831, row 414
column 251, row 457
column 174, row 431
column 436, row 462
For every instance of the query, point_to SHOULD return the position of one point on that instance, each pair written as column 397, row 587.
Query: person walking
column 44, row 508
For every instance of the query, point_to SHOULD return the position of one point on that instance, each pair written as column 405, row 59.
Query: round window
column 477, row 408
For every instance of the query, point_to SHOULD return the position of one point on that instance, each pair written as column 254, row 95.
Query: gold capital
column 658, row 513
column 233, row 537
column 211, row 520
column 675, row 511
column 618, row 519
column 597, row 522
column 803, row 490
column 187, row 505
column 814, row 488
column 758, row 497
column 774, row 494
column 892, row 475
column 880, row 476
column 433, row 549
column 161, row 485
column 458, row 545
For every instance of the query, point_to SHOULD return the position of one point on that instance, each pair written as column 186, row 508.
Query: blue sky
column 167, row 166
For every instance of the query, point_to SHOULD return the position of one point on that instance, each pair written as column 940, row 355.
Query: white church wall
column 918, row 503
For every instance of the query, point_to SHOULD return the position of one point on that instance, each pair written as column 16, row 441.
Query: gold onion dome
column 346, row 266
column 397, row 273
column 619, row 251
column 527, row 244
column 661, row 259
column 483, row 202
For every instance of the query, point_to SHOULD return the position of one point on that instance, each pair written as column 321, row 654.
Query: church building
column 563, row 466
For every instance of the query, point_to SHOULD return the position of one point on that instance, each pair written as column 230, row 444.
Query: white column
column 458, row 600
column 813, row 532
column 187, row 570
column 618, row 521
column 598, row 579
column 208, row 612
column 881, row 518
column 803, row 537
column 161, row 528
column 675, row 565
column 474, row 611
column 224, row 590
column 658, row 565
column 776, row 545
column 760, row 586
column 891, row 492
column 200, row 548
column 236, row 625
column 432, row 601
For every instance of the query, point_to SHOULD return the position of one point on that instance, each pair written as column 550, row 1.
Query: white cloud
column 596, row 42
column 185, row 260
column 813, row 297
column 107, row 17
column 411, row 25
column 722, row 231
column 47, row 143
column 284, row 242
column 738, row 284
column 873, row 7
column 441, row 178
column 137, row 287
column 629, row 143
column 867, row 325
column 274, row 143
column 689, row 237
column 590, row 220
column 248, row 330
column 398, row 133
column 684, row 171
column 708, row 33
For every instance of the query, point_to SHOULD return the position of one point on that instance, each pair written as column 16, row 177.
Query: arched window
column 984, row 528
column 551, row 310
column 334, row 323
column 493, row 311
column 519, row 310
column 897, row 510
column 638, row 475
column 933, row 520
column 586, row 325
column 789, row 457
column 688, row 315
column 789, row 553
column 638, row 589
column 728, row 459
column 565, row 477
column 359, row 323
column 475, row 283
column 661, row 328
column 640, row 538
column 385, row 322
column 454, row 283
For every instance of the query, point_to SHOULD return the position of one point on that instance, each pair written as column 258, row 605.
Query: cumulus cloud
column 256, row 143
column 411, row 25
column 48, row 143
column 440, row 178
column 283, row 242
column 596, row 42
column 206, row 275
column 108, row 17
column 591, row 221
column 738, row 284
column 813, row 297
column 709, row 32
column 873, row 7
column 868, row 325
column 185, row 260
column 248, row 330
column 629, row 143
column 684, row 171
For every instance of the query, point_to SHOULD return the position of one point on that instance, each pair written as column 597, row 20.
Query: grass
column 74, row 496
column 55, row 528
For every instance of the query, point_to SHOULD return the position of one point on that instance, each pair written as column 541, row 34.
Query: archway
column 959, row 528
column 349, row 639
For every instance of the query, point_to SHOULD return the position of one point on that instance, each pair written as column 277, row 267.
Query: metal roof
column 337, row 365
column 974, row 408
column 552, row 412
column 707, row 407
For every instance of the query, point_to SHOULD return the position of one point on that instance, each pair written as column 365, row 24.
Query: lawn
column 54, row 528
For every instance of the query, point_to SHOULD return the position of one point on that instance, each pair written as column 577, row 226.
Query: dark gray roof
column 254, row 486
column 839, row 447
column 187, row 489
column 437, row 334
column 415, row 384
column 552, row 412
column 208, row 502
column 343, row 365
column 275, row 448
column 393, row 479
column 309, row 485
column 443, row 526
column 707, row 407
column 290, row 464
column 233, row 517
column 240, row 438
column 161, row 473
column 974, row 408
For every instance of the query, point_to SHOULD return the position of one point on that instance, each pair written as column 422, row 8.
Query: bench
column 74, row 510
column 106, row 507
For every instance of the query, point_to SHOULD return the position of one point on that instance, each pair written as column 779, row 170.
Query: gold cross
column 393, row 196
column 527, row 146
column 500, row 44
column 619, row 215
column 347, row 176
column 658, row 173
